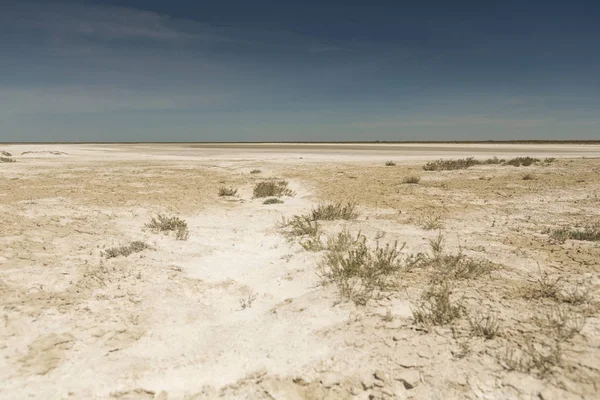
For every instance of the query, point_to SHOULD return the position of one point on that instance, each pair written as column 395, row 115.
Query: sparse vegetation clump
column 494, row 161
column 590, row 233
column 537, row 358
column 162, row 223
column 133, row 247
column 358, row 271
column 449, row 165
column 522, row 161
column 411, row 179
column 6, row 157
column 431, row 222
column 390, row 163
column 227, row 191
column 273, row 200
column 330, row 212
column 436, row 307
column 272, row 188
column 528, row 177
column 255, row 171
column 486, row 326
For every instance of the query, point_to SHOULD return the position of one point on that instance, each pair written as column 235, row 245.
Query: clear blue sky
column 187, row 70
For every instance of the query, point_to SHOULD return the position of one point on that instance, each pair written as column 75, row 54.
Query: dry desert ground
column 365, row 280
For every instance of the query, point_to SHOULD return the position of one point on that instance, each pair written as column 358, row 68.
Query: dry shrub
column 360, row 272
column 227, row 191
column 436, row 306
column 522, row 161
column 390, row 163
column 330, row 212
column 7, row 160
column 133, row 247
column 449, row 165
column 486, row 326
column 162, row 223
column 272, row 188
column 411, row 179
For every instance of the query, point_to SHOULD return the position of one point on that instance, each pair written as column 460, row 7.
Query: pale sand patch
column 238, row 311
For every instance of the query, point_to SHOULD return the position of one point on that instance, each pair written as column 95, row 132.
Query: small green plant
column 255, row 171
column 133, row 247
column 163, row 223
column 436, row 306
column 330, row 212
column 273, row 200
column 390, row 163
column 227, row 191
column 272, row 188
column 411, row 179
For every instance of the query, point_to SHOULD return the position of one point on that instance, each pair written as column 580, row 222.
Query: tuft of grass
column 273, row 200
column 7, row 159
column 359, row 272
column 134, row 247
column 431, row 222
column 227, row 191
column 545, row 287
column 486, row 326
column 330, row 212
column 549, row 160
column 343, row 241
column 162, row 223
column 522, row 161
column 301, row 225
column 539, row 359
column 255, row 171
column 449, row 165
column 390, row 163
column 411, row 179
column 528, row 177
column 564, row 323
column 436, row 307
column 272, row 188
column 5, row 153
column 493, row 161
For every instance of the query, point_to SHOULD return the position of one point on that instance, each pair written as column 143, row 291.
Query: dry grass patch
column 522, row 161
column 358, row 271
column 431, row 222
column 272, row 188
column 4, row 159
column 390, row 163
column 330, row 212
column 528, row 177
column 486, row 326
column 590, row 233
column 163, row 224
column 273, row 200
column 133, row 247
column 255, row 171
column 436, row 307
column 449, row 165
column 411, row 179
column 227, row 191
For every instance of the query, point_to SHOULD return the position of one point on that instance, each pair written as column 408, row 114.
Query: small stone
column 410, row 378
column 381, row 375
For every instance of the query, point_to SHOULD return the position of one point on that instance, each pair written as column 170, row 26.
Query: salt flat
column 241, row 309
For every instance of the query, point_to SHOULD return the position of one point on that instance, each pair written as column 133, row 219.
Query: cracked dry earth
column 239, row 310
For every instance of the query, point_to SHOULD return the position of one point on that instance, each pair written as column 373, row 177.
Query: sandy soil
column 239, row 311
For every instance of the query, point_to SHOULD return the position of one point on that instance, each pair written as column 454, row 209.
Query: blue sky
column 298, row 71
